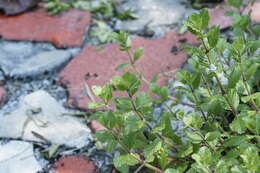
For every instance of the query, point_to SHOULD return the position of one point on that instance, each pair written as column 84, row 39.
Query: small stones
column 65, row 30
column 18, row 156
column 39, row 114
column 74, row 164
column 99, row 65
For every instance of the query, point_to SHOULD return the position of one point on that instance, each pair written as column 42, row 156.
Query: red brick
column 74, row 164
column 217, row 17
column 64, row 30
column 2, row 96
column 255, row 15
column 100, row 64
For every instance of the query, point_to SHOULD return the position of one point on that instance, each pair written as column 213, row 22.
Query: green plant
column 222, row 131
column 56, row 6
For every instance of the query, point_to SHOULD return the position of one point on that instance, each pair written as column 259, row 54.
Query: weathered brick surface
column 2, row 96
column 96, row 67
column 64, row 30
column 217, row 17
column 74, row 164
column 255, row 15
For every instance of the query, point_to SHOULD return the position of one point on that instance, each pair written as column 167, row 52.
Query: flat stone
column 39, row 113
column 217, row 17
column 74, row 164
column 155, row 14
column 18, row 156
column 12, row 7
column 2, row 96
column 64, row 30
column 26, row 59
column 96, row 67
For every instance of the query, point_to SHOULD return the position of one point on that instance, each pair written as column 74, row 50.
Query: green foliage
column 56, row 6
column 221, row 133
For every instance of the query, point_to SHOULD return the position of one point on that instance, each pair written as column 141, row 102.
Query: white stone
column 153, row 13
column 18, row 157
column 48, row 120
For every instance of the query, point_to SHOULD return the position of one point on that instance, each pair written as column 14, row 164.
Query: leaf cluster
column 220, row 134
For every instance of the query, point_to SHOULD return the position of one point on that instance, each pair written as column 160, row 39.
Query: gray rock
column 18, row 156
column 12, row 7
column 40, row 113
column 26, row 59
column 156, row 14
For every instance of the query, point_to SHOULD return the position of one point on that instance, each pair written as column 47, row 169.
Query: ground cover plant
column 221, row 133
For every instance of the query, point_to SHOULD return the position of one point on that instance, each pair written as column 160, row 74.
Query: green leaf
column 234, row 98
column 127, row 14
column 197, row 22
column 196, row 81
column 183, row 76
column 251, row 71
column 185, row 150
column 161, row 91
column 107, row 119
column 123, row 104
column 238, row 169
column 108, row 138
column 194, row 137
column 193, row 120
column 255, row 96
column 213, row 36
column 256, row 29
column 94, row 105
column 119, row 83
column 257, row 123
column 203, row 157
column 105, row 92
column 235, row 141
column 143, row 103
column 155, row 78
column 151, row 150
column 132, row 83
column 133, row 124
column 97, row 90
column 125, row 160
column 251, row 158
column 170, row 170
column 223, row 166
column 238, row 125
column 234, row 77
column 122, row 66
column 138, row 53
column 211, row 136
column 235, row 3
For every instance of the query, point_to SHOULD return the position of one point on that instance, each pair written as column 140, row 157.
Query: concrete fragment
column 39, row 113
column 18, row 156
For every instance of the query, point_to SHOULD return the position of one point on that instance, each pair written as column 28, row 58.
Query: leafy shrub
column 221, row 134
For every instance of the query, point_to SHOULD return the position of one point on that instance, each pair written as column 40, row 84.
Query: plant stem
column 131, row 154
column 207, row 85
column 249, row 94
column 151, row 128
column 197, row 102
column 181, row 102
column 136, row 69
column 223, row 92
